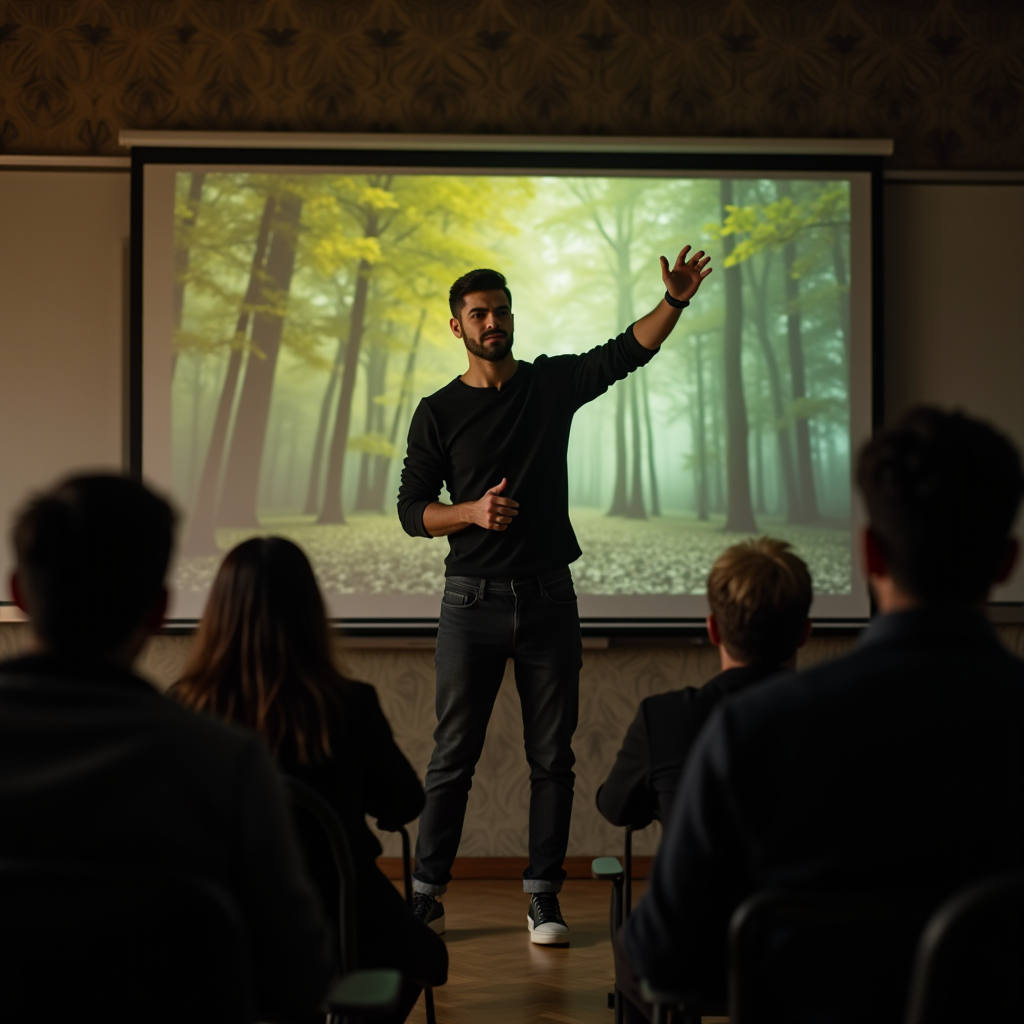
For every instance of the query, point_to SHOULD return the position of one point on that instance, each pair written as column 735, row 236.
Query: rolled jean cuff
column 540, row 885
column 427, row 889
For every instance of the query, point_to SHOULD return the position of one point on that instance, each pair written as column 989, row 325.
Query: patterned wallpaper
column 612, row 684
column 944, row 78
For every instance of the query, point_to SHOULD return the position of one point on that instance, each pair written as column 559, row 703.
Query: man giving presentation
column 498, row 437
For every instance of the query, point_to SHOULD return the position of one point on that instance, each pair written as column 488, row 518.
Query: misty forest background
column 311, row 316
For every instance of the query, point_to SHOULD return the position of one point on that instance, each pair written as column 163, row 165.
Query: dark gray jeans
column 483, row 623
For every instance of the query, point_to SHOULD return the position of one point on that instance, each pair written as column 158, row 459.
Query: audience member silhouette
column 759, row 593
column 95, row 765
column 263, row 658
column 898, row 768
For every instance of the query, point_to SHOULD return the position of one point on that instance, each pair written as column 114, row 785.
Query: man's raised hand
column 683, row 280
column 492, row 511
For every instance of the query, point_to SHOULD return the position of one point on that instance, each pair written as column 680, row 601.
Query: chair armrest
column 364, row 992
column 606, row 867
column 664, row 997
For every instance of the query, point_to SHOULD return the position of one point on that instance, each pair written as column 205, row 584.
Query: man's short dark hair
column 759, row 592
column 92, row 554
column 942, row 491
column 475, row 281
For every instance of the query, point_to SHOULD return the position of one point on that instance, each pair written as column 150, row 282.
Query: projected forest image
column 310, row 317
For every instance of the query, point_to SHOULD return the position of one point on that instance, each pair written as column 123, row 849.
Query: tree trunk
column 701, row 438
column 651, row 471
column 312, row 504
column 333, row 509
column 193, row 443
column 200, row 538
column 716, row 399
column 621, row 243
column 620, row 503
column 739, row 512
column 842, row 289
column 241, row 481
column 181, row 258
column 794, row 342
column 376, row 375
column 760, row 506
column 782, row 435
column 637, row 508
column 381, row 481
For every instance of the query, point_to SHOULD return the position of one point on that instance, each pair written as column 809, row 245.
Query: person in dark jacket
column 759, row 593
column 97, row 766
column 262, row 658
column 896, row 769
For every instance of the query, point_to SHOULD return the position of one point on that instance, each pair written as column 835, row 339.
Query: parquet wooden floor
column 497, row 976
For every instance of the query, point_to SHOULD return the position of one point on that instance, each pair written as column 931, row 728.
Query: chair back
column 808, row 956
column 970, row 960
column 307, row 801
column 119, row 943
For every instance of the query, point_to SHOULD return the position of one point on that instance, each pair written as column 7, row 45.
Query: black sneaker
column 544, row 919
column 429, row 910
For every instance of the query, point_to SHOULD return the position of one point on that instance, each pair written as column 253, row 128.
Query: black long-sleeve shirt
column 470, row 438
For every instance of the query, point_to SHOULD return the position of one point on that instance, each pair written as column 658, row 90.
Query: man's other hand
column 492, row 511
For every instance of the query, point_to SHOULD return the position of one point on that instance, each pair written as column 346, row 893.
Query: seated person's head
column 759, row 593
column 262, row 654
column 942, row 491
column 91, row 557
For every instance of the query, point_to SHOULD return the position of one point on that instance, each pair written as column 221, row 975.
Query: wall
column 941, row 77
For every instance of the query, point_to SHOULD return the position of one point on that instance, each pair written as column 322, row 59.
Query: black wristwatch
column 676, row 303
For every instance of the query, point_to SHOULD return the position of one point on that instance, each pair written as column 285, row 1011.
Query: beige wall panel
column 954, row 301
column 62, row 268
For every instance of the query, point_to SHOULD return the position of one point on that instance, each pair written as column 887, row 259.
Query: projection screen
column 292, row 311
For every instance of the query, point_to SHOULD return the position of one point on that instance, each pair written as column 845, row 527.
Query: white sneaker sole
column 547, row 938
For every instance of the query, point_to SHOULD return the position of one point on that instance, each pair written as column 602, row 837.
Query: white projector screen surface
column 293, row 317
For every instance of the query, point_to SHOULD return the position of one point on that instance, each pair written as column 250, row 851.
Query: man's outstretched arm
column 681, row 282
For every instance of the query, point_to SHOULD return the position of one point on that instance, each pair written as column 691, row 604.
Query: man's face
column 485, row 325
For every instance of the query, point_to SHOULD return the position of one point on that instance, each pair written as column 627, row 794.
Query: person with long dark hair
column 262, row 658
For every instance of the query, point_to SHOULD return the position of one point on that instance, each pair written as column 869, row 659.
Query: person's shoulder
column 203, row 731
column 775, row 703
column 358, row 694
column 669, row 710
column 442, row 396
column 547, row 362
column 670, row 701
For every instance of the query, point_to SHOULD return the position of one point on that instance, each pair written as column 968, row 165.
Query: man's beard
column 493, row 353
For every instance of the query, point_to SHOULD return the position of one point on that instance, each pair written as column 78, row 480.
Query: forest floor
column 670, row 554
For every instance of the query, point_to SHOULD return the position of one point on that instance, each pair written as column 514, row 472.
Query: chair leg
column 627, row 881
column 428, row 1002
column 406, row 865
